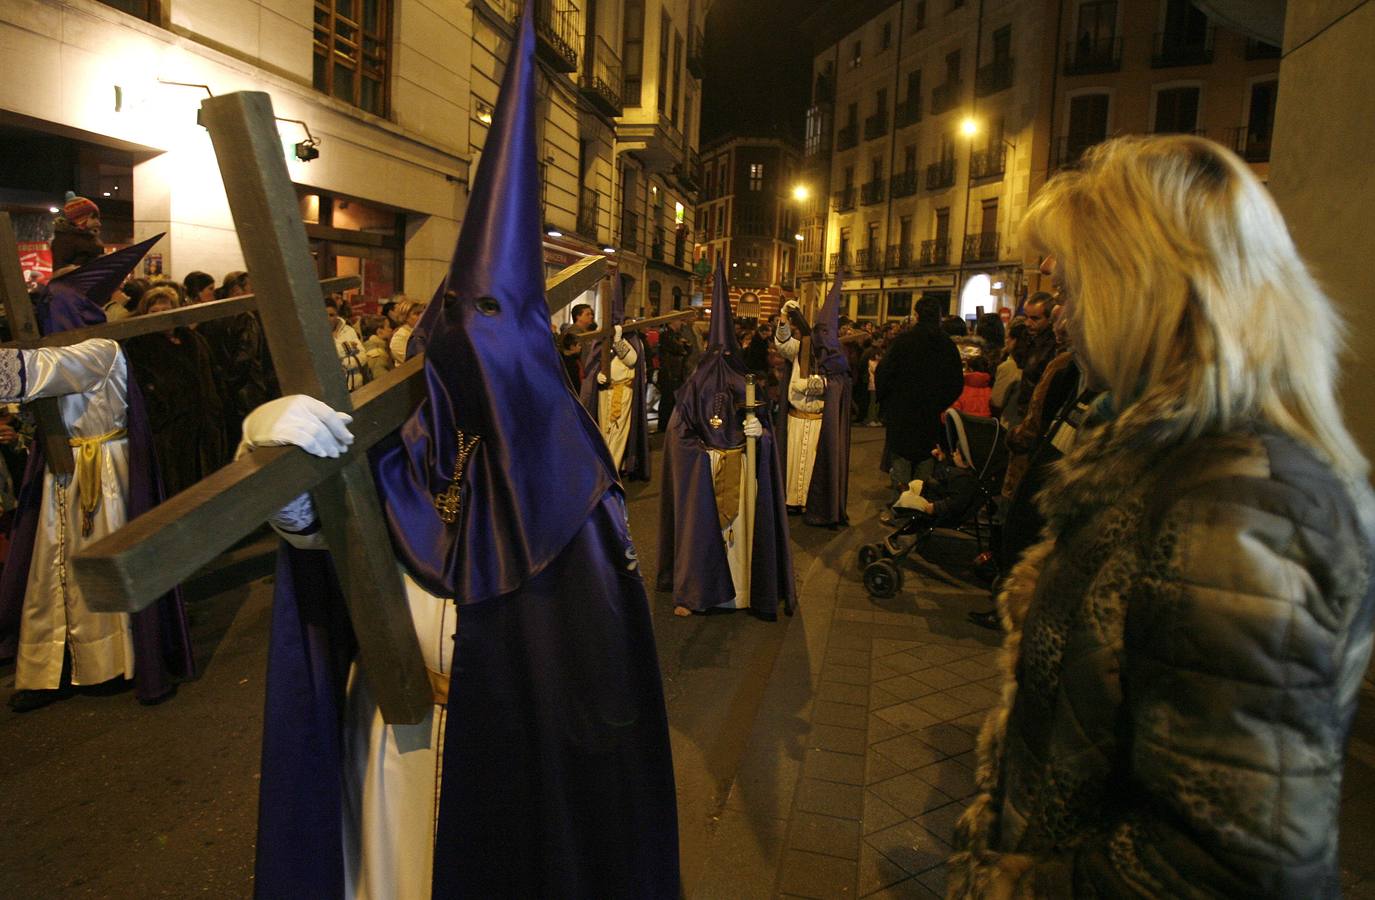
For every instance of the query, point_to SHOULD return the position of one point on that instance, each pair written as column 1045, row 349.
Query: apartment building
column 934, row 122
column 749, row 215
column 394, row 96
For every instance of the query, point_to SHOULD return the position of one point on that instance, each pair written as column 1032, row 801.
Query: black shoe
column 987, row 620
column 29, row 700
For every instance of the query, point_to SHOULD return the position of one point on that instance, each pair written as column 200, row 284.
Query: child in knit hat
column 76, row 233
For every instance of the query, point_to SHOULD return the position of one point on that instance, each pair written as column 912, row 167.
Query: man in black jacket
column 919, row 377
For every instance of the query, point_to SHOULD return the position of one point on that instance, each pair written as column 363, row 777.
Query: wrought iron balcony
column 869, row 259
column 909, row 111
column 839, row 260
column 876, row 126
column 1183, row 48
column 601, row 78
column 994, row 77
column 988, row 163
column 1069, row 151
column 940, row 175
column 981, row 247
column 845, row 199
column 689, row 171
column 1092, row 56
column 848, row 136
column 872, row 192
column 944, row 97
column 899, row 258
column 556, row 27
column 810, row 263
column 935, row 252
column 589, row 212
column 904, row 184
column 696, row 51
column 1251, row 145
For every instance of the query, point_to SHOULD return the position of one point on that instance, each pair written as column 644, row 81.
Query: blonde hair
column 1186, row 290
column 156, row 294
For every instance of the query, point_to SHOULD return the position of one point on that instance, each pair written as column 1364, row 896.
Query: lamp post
column 801, row 193
column 969, row 127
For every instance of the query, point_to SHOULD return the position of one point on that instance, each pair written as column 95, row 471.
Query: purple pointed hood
column 830, row 356
column 722, row 334
column 539, row 465
column 76, row 299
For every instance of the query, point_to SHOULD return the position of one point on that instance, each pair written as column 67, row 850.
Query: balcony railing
column 845, row 199
column 988, row 163
column 556, row 27
column 935, row 252
column 809, row 263
column 904, row 184
column 868, row 259
column 899, row 258
column 689, row 171
column 876, row 126
column 940, row 175
column 630, row 231
column 1069, row 151
column 696, row 51
column 848, row 136
column 994, row 77
column 1251, row 145
column 839, row 260
column 872, row 192
column 909, row 111
column 1089, row 56
column 981, row 247
column 1183, row 49
column 944, row 97
column 589, row 212
column 601, row 79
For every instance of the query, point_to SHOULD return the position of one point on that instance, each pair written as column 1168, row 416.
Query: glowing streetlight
column 798, row 237
column 801, row 193
column 969, row 127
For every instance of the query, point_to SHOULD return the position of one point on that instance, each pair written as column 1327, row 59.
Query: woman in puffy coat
column 1186, row 644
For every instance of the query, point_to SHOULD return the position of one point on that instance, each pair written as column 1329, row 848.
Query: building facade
column 395, row 96
column 748, row 215
column 934, row 123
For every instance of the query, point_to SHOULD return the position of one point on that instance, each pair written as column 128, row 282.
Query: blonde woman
column 1186, row 643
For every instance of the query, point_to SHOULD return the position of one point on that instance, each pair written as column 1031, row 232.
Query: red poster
column 36, row 259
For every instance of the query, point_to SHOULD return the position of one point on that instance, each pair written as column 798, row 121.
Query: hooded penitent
column 708, row 416
column 830, row 485
column 162, row 642
column 635, row 460
column 557, row 776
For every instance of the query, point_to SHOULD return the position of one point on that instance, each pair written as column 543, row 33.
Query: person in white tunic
column 616, row 404
column 806, row 402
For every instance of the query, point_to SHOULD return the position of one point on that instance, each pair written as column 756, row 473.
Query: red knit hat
column 77, row 210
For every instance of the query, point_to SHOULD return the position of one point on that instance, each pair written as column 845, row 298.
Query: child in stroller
column 958, row 490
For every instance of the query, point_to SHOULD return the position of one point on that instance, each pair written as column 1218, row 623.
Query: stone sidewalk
column 862, row 757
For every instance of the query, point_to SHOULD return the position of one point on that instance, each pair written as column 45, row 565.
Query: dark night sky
column 758, row 68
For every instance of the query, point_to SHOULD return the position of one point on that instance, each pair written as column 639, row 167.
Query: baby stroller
column 983, row 444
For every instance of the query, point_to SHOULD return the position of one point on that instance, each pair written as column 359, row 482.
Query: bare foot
column 681, row 611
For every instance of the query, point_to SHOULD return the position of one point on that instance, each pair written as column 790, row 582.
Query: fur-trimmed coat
column 1182, row 665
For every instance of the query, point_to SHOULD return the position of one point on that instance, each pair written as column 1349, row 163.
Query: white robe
column 91, row 381
column 392, row 773
column 804, row 433
column 616, row 405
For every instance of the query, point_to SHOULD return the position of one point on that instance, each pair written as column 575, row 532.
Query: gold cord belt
column 794, row 413
column 88, row 473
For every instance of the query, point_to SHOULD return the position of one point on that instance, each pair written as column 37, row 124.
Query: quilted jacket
column 1182, row 665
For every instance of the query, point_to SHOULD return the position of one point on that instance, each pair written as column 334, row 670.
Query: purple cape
column 557, row 773
column 635, row 461
column 161, row 633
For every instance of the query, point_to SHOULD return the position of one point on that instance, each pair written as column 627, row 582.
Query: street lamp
column 969, row 127
column 801, row 193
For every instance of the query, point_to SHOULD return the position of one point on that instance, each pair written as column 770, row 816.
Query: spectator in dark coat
column 673, row 353
column 919, row 377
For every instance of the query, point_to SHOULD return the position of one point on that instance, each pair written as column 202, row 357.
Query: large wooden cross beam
column 128, row 569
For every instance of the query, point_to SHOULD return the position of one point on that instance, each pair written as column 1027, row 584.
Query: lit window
column 352, row 51
column 678, row 214
column 756, row 176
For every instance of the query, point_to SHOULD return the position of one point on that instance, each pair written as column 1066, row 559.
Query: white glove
column 616, row 332
column 753, row 428
column 791, row 306
column 300, row 421
column 601, row 378
column 816, row 386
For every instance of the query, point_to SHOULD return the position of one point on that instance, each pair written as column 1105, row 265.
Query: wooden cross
column 127, row 570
